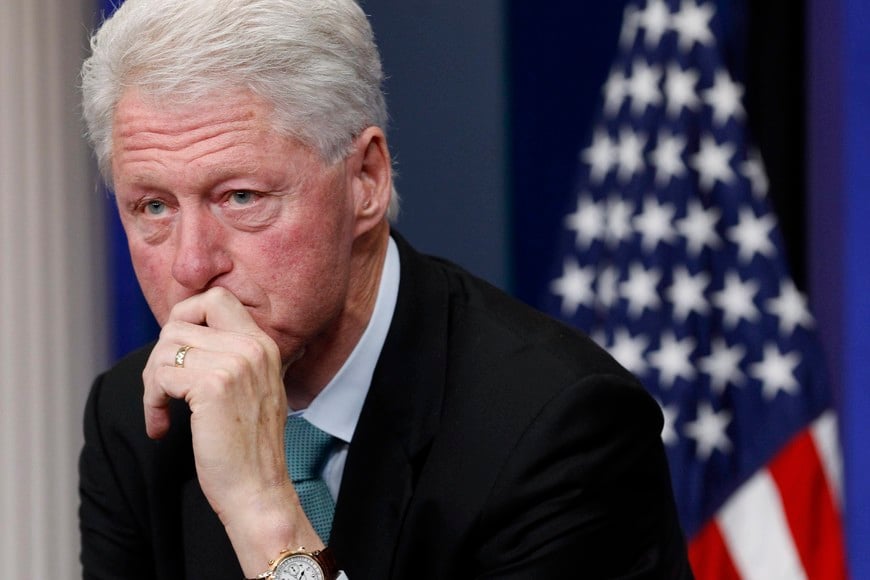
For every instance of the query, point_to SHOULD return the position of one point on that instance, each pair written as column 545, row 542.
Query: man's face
column 209, row 195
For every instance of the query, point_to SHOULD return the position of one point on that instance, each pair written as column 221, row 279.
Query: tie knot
column 306, row 447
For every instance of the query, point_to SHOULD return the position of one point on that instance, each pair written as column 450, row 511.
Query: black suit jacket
column 493, row 443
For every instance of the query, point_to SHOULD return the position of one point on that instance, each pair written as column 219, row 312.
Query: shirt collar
column 336, row 409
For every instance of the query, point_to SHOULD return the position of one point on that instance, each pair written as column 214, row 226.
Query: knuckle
column 155, row 384
column 272, row 352
column 235, row 365
column 256, row 350
column 172, row 328
column 220, row 379
column 174, row 312
column 216, row 295
column 247, row 344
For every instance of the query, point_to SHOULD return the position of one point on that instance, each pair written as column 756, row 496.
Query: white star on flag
column 640, row 289
column 722, row 365
column 669, row 429
column 752, row 234
column 575, row 287
column 630, row 24
column 680, row 90
column 587, row 222
column 713, row 162
column 737, row 300
column 725, row 98
column 628, row 350
column 607, row 289
column 615, row 91
column 655, row 20
column 673, row 359
column 619, row 214
column 692, row 24
column 776, row 372
column 708, row 431
column 686, row 293
column 629, row 153
column 601, row 156
column 643, row 86
column 791, row 308
column 654, row 223
column 667, row 158
column 699, row 228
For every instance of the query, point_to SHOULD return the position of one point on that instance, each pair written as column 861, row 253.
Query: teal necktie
column 307, row 449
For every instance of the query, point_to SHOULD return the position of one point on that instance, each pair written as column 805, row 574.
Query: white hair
column 314, row 61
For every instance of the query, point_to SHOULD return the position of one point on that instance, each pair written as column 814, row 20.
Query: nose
column 200, row 253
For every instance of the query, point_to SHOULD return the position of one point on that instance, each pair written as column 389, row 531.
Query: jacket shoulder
column 116, row 394
column 488, row 322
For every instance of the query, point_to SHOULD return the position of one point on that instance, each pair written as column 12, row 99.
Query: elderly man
column 448, row 430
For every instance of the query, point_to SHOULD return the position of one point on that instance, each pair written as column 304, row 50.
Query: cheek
column 287, row 261
column 304, row 269
column 154, row 275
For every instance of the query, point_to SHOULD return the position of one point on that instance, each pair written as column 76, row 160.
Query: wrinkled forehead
column 140, row 110
column 224, row 135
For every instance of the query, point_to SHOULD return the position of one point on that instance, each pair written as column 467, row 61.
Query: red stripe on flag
column 810, row 509
column 709, row 555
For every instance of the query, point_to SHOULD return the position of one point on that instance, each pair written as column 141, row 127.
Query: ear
column 371, row 179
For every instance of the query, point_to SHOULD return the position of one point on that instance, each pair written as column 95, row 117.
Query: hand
column 232, row 379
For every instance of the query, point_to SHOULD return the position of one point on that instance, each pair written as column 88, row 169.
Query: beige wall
column 52, row 337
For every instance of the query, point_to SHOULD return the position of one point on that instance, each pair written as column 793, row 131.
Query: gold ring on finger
column 180, row 354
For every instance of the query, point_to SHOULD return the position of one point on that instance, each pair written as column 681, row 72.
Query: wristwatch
column 301, row 564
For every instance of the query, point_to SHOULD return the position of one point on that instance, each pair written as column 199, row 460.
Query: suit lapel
column 397, row 423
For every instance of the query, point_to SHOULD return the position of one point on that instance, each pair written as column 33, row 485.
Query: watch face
column 298, row 567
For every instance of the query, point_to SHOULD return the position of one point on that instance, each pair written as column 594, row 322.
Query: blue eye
column 155, row 207
column 242, row 197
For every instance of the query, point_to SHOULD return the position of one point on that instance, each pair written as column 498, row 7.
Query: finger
column 155, row 398
column 156, row 415
column 168, row 351
column 216, row 308
column 177, row 334
column 155, row 401
column 236, row 367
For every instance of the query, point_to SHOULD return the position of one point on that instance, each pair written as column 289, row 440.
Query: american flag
column 672, row 259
